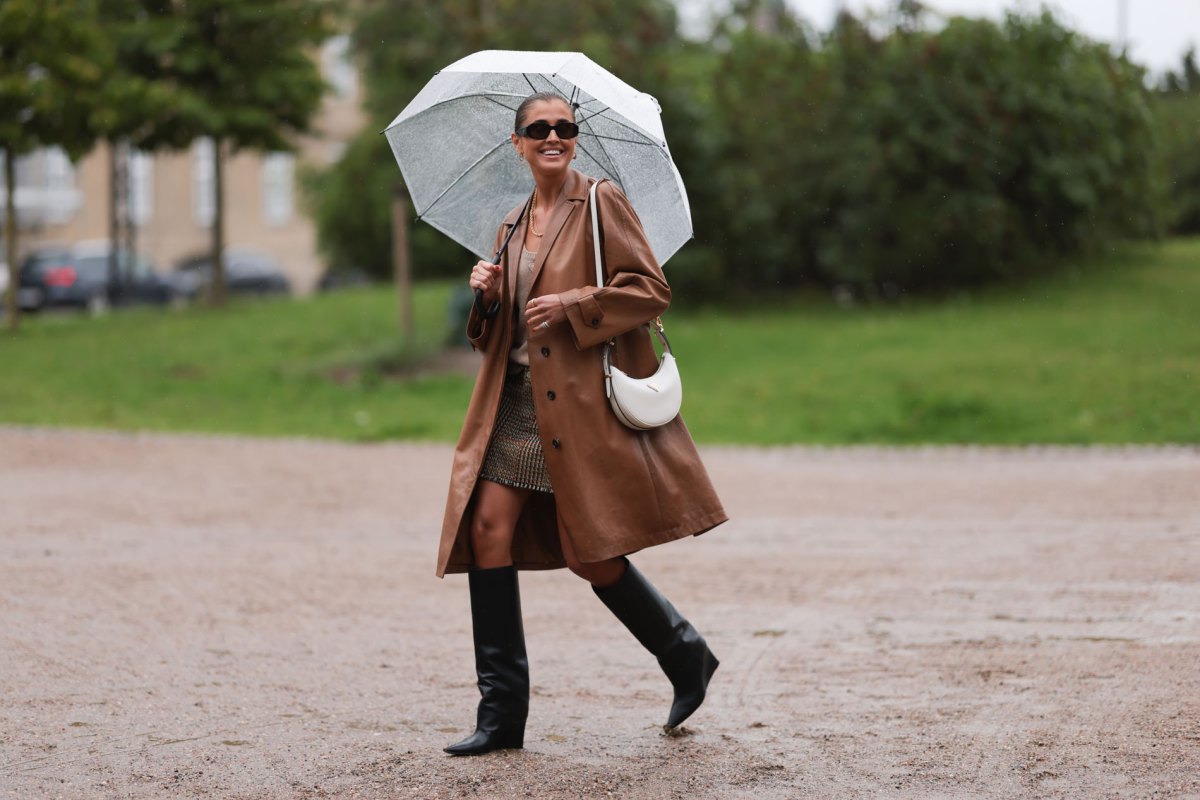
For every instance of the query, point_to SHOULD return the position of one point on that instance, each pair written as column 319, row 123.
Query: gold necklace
column 532, row 203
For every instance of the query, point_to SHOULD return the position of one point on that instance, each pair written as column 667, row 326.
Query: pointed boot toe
column 481, row 742
column 691, row 685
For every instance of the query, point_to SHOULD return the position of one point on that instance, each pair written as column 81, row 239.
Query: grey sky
column 1159, row 30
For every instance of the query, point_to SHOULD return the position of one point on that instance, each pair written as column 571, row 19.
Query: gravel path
column 216, row 617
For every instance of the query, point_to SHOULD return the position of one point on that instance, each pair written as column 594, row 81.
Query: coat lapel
column 568, row 199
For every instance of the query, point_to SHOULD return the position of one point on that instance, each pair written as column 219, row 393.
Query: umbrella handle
column 495, row 309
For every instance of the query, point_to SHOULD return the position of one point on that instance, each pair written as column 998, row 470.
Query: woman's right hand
column 486, row 276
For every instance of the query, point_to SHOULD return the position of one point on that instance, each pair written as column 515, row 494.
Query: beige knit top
column 519, row 354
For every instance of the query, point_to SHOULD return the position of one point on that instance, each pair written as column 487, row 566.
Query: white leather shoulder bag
column 639, row 403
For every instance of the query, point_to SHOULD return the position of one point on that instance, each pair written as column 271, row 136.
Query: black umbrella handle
column 495, row 309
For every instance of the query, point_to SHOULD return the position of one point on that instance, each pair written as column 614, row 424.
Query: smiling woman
column 544, row 475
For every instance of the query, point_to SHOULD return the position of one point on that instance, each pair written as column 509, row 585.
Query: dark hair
column 540, row 96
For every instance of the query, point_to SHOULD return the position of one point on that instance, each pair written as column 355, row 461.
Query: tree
column 53, row 60
column 241, row 73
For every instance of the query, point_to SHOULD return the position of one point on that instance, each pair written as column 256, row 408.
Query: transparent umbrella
column 452, row 145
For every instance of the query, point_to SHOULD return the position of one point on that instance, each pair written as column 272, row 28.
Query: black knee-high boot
column 681, row 650
column 500, row 663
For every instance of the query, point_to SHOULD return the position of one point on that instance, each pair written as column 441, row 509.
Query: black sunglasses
column 541, row 129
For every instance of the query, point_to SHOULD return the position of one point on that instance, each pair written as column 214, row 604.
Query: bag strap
column 596, row 233
column 654, row 325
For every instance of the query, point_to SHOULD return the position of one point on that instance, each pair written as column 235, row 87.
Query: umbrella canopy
column 452, row 145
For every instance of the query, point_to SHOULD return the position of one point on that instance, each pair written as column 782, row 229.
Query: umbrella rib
column 464, row 174
column 617, row 121
column 486, row 95
column 607, row 155
column 617, row 139
column 497, row 102
column 597, row 162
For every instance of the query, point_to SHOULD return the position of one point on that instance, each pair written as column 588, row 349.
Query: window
column 338, row 68
column 61, row 199
column 45, row 190
column 203, row 182
column 277, row 188
column 141, row 186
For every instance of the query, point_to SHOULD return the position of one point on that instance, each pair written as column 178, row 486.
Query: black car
column 80, row 277
column 247, row 272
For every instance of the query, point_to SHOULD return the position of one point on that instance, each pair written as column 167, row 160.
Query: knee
column 489, row 533
column 578, row 567
column 572, row 561
column 599, row 573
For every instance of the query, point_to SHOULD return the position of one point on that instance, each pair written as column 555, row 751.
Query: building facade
column 171, row 198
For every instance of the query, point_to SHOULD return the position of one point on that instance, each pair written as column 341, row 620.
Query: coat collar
column 574, row 191
column 575, row 188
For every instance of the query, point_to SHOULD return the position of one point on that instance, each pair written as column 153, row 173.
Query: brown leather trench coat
column 616, row 490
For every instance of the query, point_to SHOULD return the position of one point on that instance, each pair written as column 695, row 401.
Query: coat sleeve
column 635, row 290
column 479, row 330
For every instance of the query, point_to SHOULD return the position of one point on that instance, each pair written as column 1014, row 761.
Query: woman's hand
column 542, row 312
column 486, row 276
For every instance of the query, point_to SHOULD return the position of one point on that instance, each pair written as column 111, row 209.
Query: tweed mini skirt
column 514, row 457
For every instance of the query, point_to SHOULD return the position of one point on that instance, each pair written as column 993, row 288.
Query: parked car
column 247, row 272
column 78, row 276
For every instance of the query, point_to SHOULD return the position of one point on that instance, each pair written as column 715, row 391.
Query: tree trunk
column 401, row 263
column 217, row 290
column 12, row 309
column 114, row 204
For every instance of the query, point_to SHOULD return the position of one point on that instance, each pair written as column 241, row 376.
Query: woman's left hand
column 542, row 312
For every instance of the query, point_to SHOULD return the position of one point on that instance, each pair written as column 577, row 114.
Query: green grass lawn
column 1106, row 353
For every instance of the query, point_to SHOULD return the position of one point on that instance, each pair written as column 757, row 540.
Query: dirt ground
column 219, row 617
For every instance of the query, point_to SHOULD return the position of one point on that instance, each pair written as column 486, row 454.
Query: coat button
column 545, row 352
column 595, row 322
column 550, row 394
column 555, row 444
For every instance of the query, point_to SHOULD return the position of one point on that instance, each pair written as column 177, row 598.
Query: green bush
column 922, row 160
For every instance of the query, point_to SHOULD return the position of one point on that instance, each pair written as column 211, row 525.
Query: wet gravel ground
column 219, row 617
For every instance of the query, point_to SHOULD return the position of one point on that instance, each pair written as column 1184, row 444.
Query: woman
column 544, row 475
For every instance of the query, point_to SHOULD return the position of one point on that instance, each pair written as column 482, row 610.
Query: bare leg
column 497, row 509
column 599, row 573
